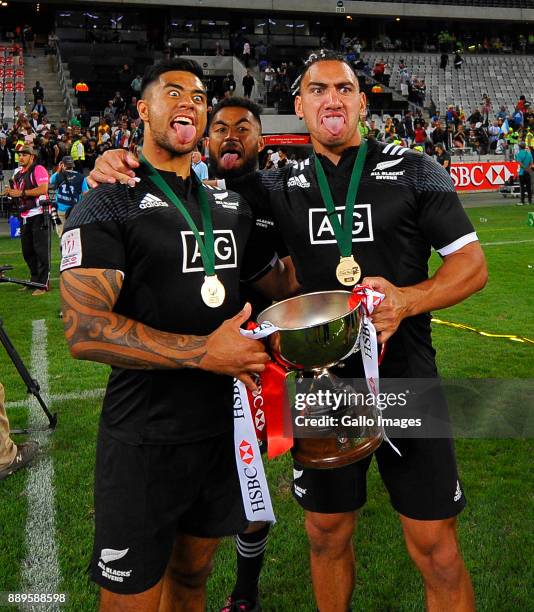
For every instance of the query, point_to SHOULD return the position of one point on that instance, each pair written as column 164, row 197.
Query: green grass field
column 495, row 529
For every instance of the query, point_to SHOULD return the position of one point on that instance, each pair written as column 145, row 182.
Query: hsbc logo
column 225, row 251
column 484, row 175
column 498, row 175
column 321, row 231
column 259, row 419
column 246, row 453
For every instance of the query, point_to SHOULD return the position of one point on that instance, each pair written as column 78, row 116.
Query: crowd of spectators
column 483, row 132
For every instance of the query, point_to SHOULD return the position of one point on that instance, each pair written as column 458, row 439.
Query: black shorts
column 146, row 494
column 423, row 484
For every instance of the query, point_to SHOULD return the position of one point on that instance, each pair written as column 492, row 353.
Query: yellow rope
column 510, row 337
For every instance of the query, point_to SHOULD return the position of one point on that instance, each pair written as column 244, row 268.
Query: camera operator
column 30, row 186
column 69, row 185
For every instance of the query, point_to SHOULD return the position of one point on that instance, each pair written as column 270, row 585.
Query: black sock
column 250, row 549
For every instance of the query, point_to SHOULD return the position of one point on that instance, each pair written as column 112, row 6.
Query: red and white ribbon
column 254, row 487
column 367, row 300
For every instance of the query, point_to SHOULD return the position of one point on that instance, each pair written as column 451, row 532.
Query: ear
column 363, row 105
column 298, row 107
column 261, row 144
column 142, row 109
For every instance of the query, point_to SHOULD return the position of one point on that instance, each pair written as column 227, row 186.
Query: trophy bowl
column 315, row 332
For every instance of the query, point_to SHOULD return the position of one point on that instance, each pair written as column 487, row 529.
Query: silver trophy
column 316, row 332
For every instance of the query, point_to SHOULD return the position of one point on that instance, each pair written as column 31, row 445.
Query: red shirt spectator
column 420, row 135
column 521, row 104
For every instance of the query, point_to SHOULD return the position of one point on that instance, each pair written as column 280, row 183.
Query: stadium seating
column 12, row 86
column 502, row 77
column 98, row 65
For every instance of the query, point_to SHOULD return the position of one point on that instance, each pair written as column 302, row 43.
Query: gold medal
column 348, row 272
column 212, row 291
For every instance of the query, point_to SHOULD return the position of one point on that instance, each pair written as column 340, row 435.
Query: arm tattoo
column 95, row 332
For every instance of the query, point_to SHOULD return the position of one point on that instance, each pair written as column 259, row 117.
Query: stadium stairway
column 38, row 69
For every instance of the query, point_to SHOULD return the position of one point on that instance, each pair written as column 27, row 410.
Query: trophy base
column 328, row 453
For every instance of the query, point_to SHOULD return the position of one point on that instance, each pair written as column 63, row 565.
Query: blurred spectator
column 199, row 167
column 269, row 77
column 248, row 84
column 459, row 137
column 443, row 157
column 120, row 136
column 118, row 103
column 135, row 85
column 103, row 128
column 77, row 152
column 40, row 108
column 6, row 158
column 229, row 84
column 522, row 104
column 524, row 158
column 132, row 111
column 38, row 92
column 246, row 54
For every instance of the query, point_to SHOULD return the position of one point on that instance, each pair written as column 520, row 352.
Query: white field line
column 40, row 571
column 503, row 242
column 61, row 397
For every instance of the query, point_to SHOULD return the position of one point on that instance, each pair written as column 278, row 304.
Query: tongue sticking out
column 186, row 133
column 229, row 160
column 334, row 125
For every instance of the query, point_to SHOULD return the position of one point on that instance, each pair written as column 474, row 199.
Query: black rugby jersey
column 406, row 204
column 139, row 232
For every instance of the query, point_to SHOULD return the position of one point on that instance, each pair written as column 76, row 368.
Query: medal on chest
column 212, row 291
column 348, row 272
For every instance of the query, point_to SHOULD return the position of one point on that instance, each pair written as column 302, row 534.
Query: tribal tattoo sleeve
column 96, row 333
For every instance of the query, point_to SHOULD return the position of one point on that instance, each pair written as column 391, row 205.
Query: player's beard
column 249, row 165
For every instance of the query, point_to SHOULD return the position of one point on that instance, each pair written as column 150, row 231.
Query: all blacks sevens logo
column 321, row 231
column 225, row 251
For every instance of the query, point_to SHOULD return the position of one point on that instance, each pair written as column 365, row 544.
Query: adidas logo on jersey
column 381, row 172
column 152, row 201
column 298, row 181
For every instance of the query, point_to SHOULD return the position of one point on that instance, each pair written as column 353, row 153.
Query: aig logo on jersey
column 321, row 231
column 225, row 251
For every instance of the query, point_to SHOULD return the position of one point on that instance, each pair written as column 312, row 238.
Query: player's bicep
column 91, row 290
column 88, row 296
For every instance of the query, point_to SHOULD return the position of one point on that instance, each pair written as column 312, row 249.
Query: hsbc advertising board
column 484, row 176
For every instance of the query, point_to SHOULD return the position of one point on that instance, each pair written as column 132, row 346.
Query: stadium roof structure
column 494, row 10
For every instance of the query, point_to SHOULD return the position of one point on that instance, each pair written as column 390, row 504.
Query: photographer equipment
column 31, row 383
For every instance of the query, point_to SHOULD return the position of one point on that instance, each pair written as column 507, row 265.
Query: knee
column 190, row 577
column 330, row 534
column 439, row 560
